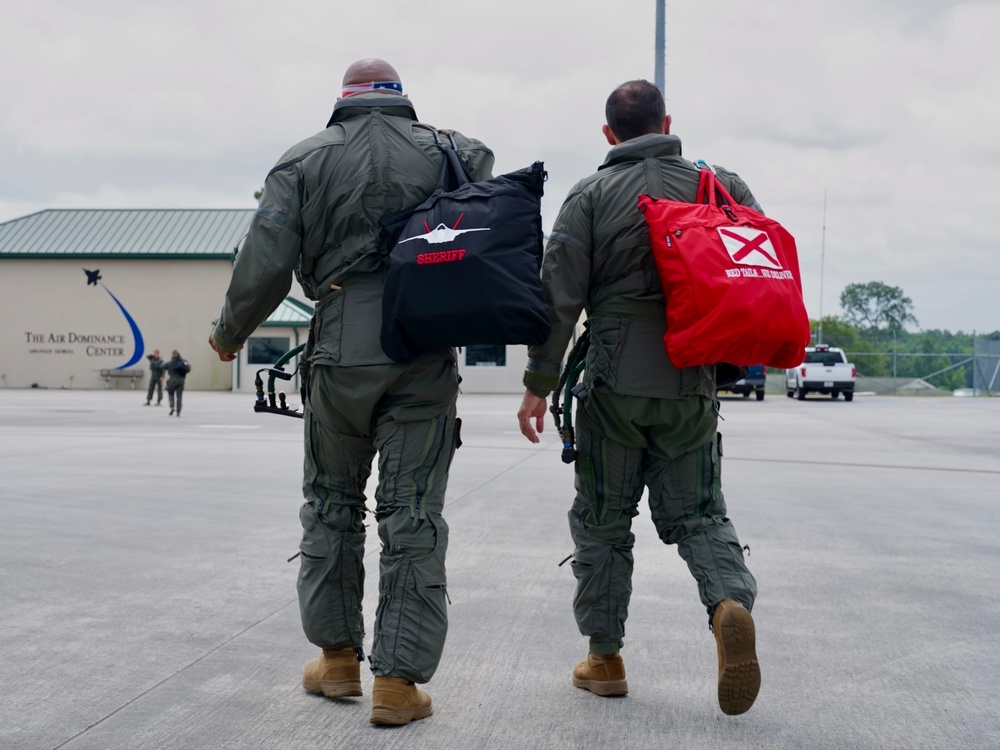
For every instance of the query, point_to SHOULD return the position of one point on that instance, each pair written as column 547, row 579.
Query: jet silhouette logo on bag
column 441, row 233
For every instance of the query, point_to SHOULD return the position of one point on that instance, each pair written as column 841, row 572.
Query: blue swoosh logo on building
column 136, row 333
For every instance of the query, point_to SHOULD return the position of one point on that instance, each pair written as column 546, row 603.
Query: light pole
column 658, row 74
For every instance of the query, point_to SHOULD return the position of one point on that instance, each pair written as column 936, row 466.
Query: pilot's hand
column 223, row 354
column 532, row 407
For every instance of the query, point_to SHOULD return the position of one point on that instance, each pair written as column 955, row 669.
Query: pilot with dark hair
column 643, row 424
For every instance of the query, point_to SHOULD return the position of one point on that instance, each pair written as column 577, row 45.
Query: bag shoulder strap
column 453, row 174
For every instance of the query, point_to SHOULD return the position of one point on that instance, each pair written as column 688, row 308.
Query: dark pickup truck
column 752, row 383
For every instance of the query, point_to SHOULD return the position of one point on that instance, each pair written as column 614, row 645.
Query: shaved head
column 368, row 70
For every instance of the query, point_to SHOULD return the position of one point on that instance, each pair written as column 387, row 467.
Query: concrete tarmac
column 146, row 601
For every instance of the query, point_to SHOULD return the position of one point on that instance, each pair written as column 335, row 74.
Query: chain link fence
column 930, row 373
column 921, row 373
column 986, row 367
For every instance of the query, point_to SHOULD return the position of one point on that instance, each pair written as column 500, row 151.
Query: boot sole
column 399, row 716
column 334, row 689
column 602, row 687
column 739, row 675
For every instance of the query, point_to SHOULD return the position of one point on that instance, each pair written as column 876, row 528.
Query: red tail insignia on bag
column 749, row 247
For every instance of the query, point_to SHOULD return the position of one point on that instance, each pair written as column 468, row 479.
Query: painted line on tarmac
column 864, row 466
column 229, row 426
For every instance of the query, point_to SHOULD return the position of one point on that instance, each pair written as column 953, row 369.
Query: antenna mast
column 822, row 263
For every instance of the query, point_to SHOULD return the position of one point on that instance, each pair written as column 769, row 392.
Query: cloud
column 888, row 107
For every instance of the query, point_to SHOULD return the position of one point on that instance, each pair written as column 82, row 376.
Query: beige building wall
column 59, row 331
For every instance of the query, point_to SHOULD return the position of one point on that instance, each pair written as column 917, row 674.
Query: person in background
column 156, row 367
column 177, row 369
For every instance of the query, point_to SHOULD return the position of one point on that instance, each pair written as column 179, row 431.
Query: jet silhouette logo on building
column 94, row 279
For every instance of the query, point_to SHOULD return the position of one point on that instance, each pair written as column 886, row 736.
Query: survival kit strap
column 452, row 176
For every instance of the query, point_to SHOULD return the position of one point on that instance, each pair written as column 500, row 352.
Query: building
column 87, row 294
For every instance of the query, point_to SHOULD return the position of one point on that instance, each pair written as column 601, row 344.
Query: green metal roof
column 206, row 233
column 290, row 314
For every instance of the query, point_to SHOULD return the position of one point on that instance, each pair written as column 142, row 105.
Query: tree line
column 872, row 329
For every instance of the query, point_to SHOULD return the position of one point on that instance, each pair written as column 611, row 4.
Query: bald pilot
column 318, row 219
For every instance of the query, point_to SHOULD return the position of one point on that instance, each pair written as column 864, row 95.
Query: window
column 486, row 355
column 824, row 358
column 266, row 350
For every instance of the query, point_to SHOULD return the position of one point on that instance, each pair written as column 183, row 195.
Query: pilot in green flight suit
column 318, row 218
column 643, row 424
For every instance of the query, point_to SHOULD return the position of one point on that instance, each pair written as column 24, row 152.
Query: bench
column 132, row 375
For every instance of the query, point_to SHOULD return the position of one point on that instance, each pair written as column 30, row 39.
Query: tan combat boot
column 601, row 674
column 335, row 674
column 739, row 672
column 396, row 700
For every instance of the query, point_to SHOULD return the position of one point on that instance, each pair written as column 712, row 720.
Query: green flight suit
column 176, row 375
column 156, row 368
column 318, row 217
column 643, row 423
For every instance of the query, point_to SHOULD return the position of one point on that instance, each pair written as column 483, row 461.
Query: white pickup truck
column 824, row 370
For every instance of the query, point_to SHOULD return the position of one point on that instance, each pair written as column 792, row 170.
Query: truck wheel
column 789, row 393
column 800, row 393
column 848, row 396
column 834, row 395
column 760, row 395
column 746, row 394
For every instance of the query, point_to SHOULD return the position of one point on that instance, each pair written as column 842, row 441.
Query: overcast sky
column 889, row 107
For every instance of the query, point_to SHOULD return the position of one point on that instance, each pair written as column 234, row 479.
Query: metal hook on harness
column 569, row 386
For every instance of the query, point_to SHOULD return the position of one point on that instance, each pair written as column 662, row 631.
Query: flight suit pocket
column 607, row 336
column 411, row 620
column 329, row 328
column 696, row 381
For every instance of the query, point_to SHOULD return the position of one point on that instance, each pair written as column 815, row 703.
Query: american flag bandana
column 360, row 88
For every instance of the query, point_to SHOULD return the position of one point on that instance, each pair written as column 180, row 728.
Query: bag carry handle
column 710, row 189
column 706, row 181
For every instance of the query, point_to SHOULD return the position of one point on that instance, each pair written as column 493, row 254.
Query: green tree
column 875, row 307
column 938, row 356
column 863, row 353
